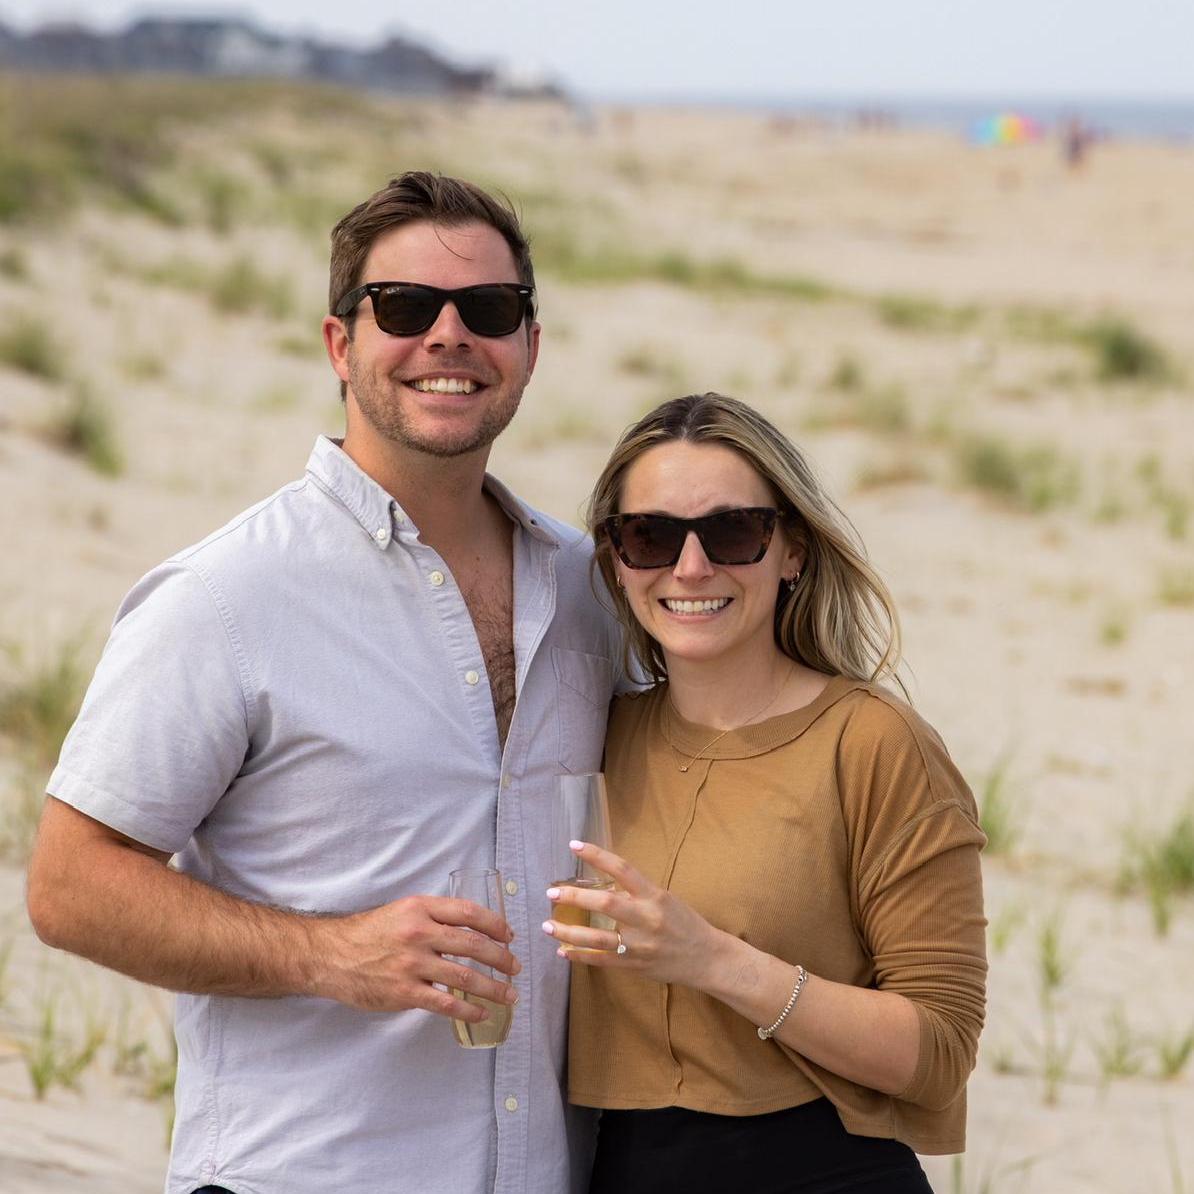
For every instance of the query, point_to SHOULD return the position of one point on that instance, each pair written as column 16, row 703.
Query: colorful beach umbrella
column 1005, row 128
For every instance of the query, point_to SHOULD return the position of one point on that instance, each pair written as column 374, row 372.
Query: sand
column 1055, row 643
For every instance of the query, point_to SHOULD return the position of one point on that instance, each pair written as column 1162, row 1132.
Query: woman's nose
column 693, row 562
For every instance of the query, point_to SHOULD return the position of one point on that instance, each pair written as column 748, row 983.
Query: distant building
column 227, row 47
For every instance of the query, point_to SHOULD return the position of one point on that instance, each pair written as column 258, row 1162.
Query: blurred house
column 235, row 47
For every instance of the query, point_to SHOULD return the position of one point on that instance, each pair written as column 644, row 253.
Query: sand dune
column 922, row 315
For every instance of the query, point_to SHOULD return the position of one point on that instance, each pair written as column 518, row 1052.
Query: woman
column 793, row 996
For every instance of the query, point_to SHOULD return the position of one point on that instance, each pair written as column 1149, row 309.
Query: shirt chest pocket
column 584, row 685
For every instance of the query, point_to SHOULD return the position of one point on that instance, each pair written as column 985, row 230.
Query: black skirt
column 800, row 1150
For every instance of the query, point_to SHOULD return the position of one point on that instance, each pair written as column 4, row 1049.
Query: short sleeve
column 163, row 729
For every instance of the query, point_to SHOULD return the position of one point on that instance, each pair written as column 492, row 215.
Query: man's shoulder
column 261, row 529
column 570, row 538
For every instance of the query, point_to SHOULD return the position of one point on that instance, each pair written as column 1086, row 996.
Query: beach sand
column 916, row 312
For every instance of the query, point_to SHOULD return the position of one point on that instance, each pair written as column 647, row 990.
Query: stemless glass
column 484, row 887
column 580, row 813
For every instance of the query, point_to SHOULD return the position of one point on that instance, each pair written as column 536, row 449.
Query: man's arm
column 94, row 892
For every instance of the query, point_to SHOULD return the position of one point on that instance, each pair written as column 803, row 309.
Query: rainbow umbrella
column 1005, row 128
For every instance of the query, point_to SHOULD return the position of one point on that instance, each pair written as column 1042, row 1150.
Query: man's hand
column 387, row 959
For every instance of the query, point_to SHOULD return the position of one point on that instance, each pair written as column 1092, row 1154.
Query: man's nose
column 448, row 330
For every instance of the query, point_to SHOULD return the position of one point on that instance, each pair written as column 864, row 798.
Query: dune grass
column 28, row 345
column 55, row 1057
column 998, row 811
column 917, row 313
column 1033, row 478
column 1175, row 586
column 1173, row 1051
column 66, row 139
column 85, row 428
column 1160, row 863
column 1123, row 353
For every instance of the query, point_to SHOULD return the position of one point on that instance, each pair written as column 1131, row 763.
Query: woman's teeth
column 696, row 607
column 444, row 385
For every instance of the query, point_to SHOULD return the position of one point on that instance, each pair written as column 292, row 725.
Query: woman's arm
column 915, row 1039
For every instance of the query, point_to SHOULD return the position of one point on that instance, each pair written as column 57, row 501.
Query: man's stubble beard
column 382, row 408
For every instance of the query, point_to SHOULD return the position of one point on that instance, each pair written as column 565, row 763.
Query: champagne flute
column 580, row 813
column 484, row 887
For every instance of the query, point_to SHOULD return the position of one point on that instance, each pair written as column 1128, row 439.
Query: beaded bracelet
column 801, row 975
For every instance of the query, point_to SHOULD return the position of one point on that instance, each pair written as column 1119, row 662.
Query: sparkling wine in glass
column 484, row 887
column 580, row 813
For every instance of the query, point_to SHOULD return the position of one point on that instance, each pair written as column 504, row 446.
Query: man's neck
column 442, row 496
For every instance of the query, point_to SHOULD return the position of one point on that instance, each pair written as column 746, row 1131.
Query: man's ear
column 337, row 341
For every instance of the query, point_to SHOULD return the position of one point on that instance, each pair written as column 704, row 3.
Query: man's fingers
column 464, row 943
column 461, row 980
column 465, row 914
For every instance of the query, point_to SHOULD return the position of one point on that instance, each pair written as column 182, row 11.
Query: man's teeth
column 696, row 607
column 444, row 385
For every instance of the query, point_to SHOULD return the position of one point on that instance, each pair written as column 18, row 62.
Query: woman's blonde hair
column 840, row 619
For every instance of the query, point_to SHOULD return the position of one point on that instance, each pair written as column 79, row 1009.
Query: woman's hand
column 664, row 938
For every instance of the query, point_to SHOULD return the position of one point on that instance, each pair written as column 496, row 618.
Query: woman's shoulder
column 633, row 707
column 886, row 744
column 872, row 713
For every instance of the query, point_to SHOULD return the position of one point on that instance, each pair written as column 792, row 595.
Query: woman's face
column 688, row 480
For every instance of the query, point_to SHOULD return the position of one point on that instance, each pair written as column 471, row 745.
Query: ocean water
column 1152, row 120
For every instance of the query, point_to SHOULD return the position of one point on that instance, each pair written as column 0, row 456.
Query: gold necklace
column 713, row 741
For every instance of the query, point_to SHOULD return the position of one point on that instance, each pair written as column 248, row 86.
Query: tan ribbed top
column 839, row 836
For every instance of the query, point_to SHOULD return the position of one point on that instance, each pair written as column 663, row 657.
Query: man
column 364, row 682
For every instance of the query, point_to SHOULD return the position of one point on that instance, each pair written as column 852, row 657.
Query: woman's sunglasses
column 410, row 308
column 656, row 540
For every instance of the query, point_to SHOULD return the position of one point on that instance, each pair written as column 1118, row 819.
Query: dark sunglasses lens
column 735, row 536
column 649, row 541
column 406, row 310
column 485, row 310
column 492, row 310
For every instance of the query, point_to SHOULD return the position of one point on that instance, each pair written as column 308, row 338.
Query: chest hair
column 490, row 602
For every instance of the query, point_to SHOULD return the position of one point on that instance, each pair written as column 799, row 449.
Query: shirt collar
column 376, row 510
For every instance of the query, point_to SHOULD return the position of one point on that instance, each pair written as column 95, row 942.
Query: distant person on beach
column 791, row 999
column 1076, row 138
column 366, row 681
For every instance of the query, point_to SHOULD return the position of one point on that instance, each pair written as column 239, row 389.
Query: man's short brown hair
column 418, row 195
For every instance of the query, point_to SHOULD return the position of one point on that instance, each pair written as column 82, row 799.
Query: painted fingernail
column 576, row 845
column 561, row 952
column 553, row 893
column 549, row 928
column 511, row 995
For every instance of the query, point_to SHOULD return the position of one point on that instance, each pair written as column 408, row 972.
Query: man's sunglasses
column 656, row 540
column 410, row 308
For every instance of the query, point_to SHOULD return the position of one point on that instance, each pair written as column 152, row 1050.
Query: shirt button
column 511, row 1103
column 471, row 678
column 381, row 534
column 511, row 887
column 436, row 578
column 506, row 781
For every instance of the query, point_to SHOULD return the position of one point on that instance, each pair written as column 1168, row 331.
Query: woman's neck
column 705, row 693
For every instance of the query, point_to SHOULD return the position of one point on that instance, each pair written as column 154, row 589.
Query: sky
column 738, row 49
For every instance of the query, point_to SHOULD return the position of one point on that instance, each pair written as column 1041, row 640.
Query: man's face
column 447, row 391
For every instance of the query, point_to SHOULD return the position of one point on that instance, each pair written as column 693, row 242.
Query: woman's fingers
column 616, row 905
column 581, row 937
column 613, row 865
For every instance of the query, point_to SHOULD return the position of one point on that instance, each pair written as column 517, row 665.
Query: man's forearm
column 99, row 894
column 129, row 911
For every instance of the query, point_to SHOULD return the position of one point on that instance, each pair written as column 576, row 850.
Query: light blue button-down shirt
column 298, row 708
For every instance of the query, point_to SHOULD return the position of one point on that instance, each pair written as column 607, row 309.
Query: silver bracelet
column 801, row 975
